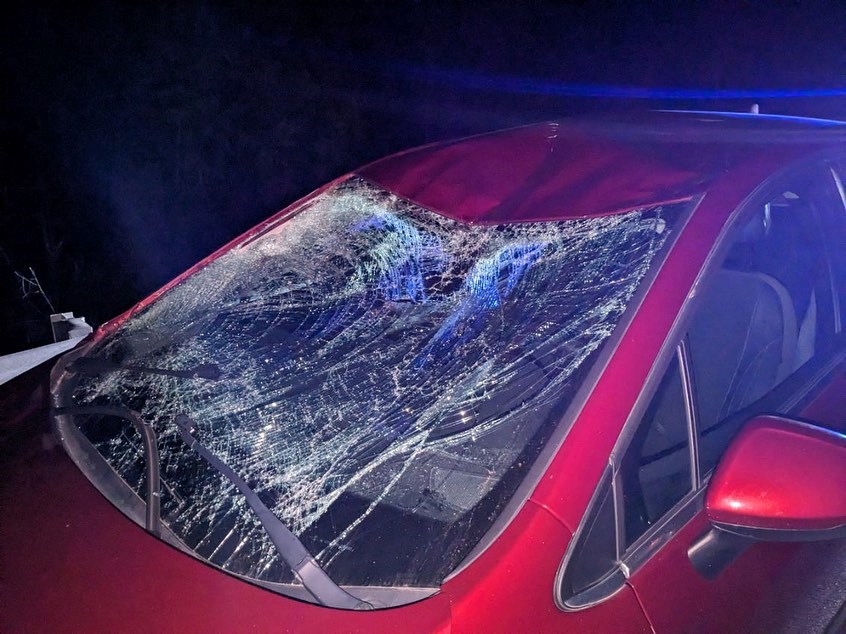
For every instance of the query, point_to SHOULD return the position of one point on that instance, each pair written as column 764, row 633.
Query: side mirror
column 781, row 480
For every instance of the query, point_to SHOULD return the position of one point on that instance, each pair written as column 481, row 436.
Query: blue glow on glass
column 484, row 283
column 487, row 284
column 402, row 258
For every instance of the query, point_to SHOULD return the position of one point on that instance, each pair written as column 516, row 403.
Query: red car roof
column 574, row 168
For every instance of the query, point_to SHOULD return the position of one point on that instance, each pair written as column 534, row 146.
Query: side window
column 656, row 469
column 654, row 474
column 765, row 314
column 594, row 571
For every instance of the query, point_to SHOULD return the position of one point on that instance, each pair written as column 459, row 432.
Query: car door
column 764, row 336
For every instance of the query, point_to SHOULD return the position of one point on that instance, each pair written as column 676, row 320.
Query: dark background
column 136, row 140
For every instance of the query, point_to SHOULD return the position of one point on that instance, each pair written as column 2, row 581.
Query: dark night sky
column 137, row 140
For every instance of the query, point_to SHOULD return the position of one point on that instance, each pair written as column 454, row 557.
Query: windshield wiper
column 95, row 366
column 290, row 548
column 151, row 453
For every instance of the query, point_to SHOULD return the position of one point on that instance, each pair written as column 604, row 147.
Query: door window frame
column 788, row 396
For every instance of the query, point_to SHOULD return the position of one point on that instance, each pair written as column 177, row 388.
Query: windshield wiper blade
column 290, row 548
column 151, row 453
column 95, row 366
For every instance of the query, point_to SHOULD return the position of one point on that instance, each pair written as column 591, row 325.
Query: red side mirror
column 781, row 480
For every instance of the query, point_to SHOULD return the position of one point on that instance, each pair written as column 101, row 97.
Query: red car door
column 765, row 336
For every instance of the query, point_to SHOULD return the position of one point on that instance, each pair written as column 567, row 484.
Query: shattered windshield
column 382, row 377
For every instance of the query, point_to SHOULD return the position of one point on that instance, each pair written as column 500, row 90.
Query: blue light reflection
column 464, row 79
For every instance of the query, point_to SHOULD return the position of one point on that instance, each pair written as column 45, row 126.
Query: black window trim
column 631, row 558
column 688, row 390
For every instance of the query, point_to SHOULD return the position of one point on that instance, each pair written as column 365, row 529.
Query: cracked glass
column 383, row 378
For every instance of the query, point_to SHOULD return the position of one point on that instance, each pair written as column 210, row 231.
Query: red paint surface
column 781, row 475
column 510, row 587
column 679, row 599
column 539, row 172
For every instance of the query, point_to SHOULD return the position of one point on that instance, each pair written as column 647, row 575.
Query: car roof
column 592, row 167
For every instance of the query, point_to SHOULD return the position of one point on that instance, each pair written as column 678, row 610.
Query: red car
column 585, row 376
